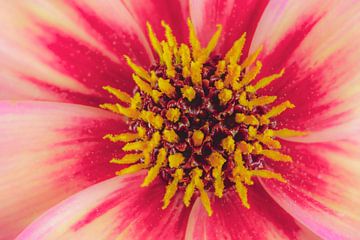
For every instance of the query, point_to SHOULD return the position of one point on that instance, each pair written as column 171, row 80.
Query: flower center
column 196, row 121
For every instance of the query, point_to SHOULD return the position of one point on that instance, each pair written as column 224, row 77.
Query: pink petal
column 48, row 152
column 174, row 12
column 264, row 220
column 323, row 187
column 114, row 209
column 316, row 44
column 67, row 50
column 236, row 17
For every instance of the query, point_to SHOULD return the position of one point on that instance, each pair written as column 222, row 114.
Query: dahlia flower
column 179, row 119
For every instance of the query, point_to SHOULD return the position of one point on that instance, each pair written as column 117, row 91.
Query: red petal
column 323, row 187
column 264, row 220
column 117, row 208
column 66, row 51
column 174, row 13
column 236, row 17
column 315, row 43
column 48, row 152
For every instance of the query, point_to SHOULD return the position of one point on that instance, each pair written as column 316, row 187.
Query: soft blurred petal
column 114, row 209
column 48, row 151
column 323, row 186
column 174, row 13
column 264, row 220
column 317, row 44
column 67, row 50
column 236, row 17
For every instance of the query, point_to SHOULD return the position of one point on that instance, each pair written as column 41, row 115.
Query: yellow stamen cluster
column 234, row 79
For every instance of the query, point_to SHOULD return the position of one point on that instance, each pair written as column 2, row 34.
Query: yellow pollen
column 251, row 58
column 220, row 68
column 228, row 144
column 265, row 81
column 175, row 160
column 117, row 108
column 203, row 195
column 225, row 96
column 190, row 188
column 249, row 120
column 251, row 74
column 145, row 87
column 233, row 76
column 168, row 59
column 154, row 171
column 155, row 42
column 166, row 87
column 134, row 146
column 141, row 72
column 217, row 161
column 173, row 114
column 197, row 137
column 276, row 156
column 155, row 94
column 141, row 131
column 267, row 174
column 188, row 92
column 252, row 132
column 136, row 101
column 219, row 84
column 150, row 117
column 212, row 44
column 287, row 133
column 194, row 41
column 185, row 59
column 195, row 71
column 172, row 187
column 277, row 110
column 261, row 101
column 267, row 140
column 245, row 147
column 128, row 159
column 123, row 137
column 169, row 35
column 132, row 169
column 170, row 136
column 234, row 54
column 242, row 192
column 122, row 96
column 150, row 146
column 153, row 79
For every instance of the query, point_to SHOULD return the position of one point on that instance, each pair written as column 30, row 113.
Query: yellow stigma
column 188, row 92
column 172, row 187
column 195, row 119
column 150, row 117
column 154, row 171
column 175, row 160
column 228, row 144
column 225, row 96
column 173, row 114
column 166, row 87
column 197, row 137
column 170, row 136
column 195, row 72
column 217, row 161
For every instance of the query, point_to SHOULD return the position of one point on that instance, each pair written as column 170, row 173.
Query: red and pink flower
column 56, row 180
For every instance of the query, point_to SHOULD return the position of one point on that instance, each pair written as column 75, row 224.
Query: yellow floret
column 173, row 114
column 197, row 137
column 188, row 92
column 225, row 96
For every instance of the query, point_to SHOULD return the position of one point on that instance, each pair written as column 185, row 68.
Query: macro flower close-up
column 179, row 119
